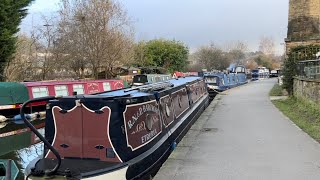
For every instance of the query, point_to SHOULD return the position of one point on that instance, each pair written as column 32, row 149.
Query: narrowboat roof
column 136, row 93
column 152, row 75
column 13, row 93
column 48, row 83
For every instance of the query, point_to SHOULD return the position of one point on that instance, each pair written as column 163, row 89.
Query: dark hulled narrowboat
column 116, row 135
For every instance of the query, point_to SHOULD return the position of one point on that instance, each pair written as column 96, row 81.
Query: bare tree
column 21, row 66
column 266, row 45
column 45, row 35
column 236, row 51
column 94, row 36
column 212, row 57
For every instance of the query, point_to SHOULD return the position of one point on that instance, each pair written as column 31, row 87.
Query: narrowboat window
column 106, row 86
column 211, row 80
column 78, row 88
column 39, row 92
column 61, row 90
column 239, row 69
column 141, row 79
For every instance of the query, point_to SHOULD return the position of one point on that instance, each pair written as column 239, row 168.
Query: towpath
column 243, row 136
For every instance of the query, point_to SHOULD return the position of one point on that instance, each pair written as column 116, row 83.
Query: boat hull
column 141, row 130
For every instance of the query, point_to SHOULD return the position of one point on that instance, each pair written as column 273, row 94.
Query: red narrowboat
column 13, row 94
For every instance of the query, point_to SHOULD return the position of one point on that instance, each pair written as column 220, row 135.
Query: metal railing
column 309, row 69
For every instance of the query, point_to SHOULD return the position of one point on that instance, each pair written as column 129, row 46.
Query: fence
column 309, row 69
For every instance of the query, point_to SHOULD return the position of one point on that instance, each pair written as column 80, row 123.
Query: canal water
column 18, row 143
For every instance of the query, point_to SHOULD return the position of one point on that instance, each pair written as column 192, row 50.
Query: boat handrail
column 156, row 86
column 35, row 131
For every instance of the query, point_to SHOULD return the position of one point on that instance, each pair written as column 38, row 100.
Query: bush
column 298, row 53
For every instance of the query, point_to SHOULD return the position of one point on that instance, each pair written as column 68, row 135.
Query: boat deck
column 78, row 167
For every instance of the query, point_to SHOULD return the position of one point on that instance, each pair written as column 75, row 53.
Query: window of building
column 61, row 90
column 39, row 92
column 106, row 86
column 78, row 88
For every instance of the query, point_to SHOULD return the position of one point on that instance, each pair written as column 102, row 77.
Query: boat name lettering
column 140, row 112
column 148, row 136
column 140, row 127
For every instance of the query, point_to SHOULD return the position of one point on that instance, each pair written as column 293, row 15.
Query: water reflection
column 18, row 143
column 24, row 156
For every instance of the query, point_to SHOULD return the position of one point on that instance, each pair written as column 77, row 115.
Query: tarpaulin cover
column 13, row 93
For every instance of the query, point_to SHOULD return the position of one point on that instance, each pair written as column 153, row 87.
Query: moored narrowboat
column 221, row 81
column 14, row 94
column 121, row 134
column 143, row 79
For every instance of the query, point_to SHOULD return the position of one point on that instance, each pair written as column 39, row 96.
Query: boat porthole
column 149, row 122
column 167, row 110
column 180, row 101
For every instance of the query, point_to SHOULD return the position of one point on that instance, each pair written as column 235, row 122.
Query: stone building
column 303, row 23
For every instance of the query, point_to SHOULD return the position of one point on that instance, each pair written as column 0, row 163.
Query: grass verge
column 303, row 113
column 276, row 90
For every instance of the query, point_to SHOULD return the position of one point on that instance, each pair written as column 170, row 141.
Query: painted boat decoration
column 116, row 135
column 178, row 74
column 220, row 81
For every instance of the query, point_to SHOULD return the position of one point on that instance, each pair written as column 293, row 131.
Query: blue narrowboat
column 221, row 81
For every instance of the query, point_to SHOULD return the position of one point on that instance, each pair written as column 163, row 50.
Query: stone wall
column 304, row 20
column 303, row 23
column 309, row 89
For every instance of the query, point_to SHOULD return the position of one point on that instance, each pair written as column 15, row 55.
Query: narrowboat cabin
column 241, row 75
column 219, row 81
column 215, row 83
column 68, row 88
column 255, row 75
column 13, row 94
column 116, row 135
column 143, row 79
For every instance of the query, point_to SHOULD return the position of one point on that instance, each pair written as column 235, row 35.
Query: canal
column 18, row 143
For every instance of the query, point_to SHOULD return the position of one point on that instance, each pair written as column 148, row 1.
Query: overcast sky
column 197, row 22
